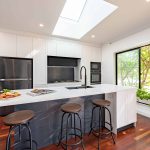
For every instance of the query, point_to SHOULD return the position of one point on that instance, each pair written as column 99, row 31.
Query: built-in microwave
column 95, row 72
column 95, row 66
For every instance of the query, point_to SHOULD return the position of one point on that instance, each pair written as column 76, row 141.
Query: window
column 70, row 9
column 128, row 68
column 133, row 68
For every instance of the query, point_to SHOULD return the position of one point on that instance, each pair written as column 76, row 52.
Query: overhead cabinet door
column 24, row 47
column 7, row 44
column 68, row 49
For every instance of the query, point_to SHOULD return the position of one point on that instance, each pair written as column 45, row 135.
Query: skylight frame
column 73, row 18
column 89, row 18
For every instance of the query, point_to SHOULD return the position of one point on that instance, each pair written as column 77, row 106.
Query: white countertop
column 62, row 93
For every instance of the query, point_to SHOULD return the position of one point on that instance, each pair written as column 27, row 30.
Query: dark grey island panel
column 46, row 124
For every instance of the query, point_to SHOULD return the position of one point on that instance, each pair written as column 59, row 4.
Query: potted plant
column 143, row 96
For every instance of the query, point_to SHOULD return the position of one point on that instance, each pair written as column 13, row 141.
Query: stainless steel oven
column 95, row 72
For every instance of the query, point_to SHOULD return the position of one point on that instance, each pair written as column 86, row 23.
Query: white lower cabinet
column 131, row 107
column 123, row 108
column 126, row 107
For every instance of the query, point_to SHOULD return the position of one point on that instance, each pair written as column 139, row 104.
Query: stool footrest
column 72, row 134
column 72, row 144
column 98, row 127
column 101, row 132
column 16, row 144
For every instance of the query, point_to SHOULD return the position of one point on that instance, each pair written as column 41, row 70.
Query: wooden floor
column 132, row 139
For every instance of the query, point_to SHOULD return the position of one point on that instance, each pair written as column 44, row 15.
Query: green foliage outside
column 143, row 94
column 145, row 67
column 128, row 68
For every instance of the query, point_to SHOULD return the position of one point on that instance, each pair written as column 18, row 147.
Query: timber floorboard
column 131, row 139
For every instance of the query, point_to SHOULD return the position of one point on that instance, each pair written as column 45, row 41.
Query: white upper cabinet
column 68, row 49
column 86, row 53
column 39, row 61
column 52, row 47
column 24, row 46
column 95, row 54
column 7, row 44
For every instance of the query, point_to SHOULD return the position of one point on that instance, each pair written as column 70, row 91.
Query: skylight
column 79, row 16
column 73, row 9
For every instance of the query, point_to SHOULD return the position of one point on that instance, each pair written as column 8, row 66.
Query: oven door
column 95, row 66
column 95, row 78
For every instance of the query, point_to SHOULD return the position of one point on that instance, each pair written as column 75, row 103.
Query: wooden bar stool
column 101, row 105
column 71, row 111
column 19, row 120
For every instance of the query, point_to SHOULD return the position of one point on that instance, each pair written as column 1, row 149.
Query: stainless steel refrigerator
column 16, row 73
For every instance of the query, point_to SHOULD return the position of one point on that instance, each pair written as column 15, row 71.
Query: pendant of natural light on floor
column 76, row 20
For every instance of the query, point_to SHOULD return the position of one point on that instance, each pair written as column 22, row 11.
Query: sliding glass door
column 133, row 69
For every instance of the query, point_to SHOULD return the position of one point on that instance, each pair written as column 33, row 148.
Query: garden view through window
column 133, row 69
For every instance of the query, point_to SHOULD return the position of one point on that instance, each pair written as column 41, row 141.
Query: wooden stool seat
column 19, row 117
column 71, row 108
column 101, row 102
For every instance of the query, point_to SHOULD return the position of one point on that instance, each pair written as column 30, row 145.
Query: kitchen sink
column 79, row 87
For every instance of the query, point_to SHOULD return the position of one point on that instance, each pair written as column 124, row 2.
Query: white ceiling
column 131, row 17
column 25, row 15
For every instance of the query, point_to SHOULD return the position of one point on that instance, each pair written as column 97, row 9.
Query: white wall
column 38, row 47
column 109, row 51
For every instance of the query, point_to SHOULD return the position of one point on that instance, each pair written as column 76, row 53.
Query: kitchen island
column 46, row 125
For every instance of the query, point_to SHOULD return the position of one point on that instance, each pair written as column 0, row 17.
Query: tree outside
column 145, row 68
column 128, row 68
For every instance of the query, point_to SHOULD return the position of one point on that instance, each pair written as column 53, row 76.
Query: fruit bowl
column 6, row 94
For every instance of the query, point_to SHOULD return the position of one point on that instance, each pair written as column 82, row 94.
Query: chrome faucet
column 85, row 78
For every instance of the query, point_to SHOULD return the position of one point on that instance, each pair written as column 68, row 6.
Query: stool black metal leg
column 99, row 128
column 19, row 133
column 67, row 126
column 8, row 144
column 103, row 119
column 71, row 120
column 61, row 132
column 111, row 128
column 8, row 140
column 80, row 124
column 91, row 125
column 30, row 135
column 75, row 125
column 81, row 131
